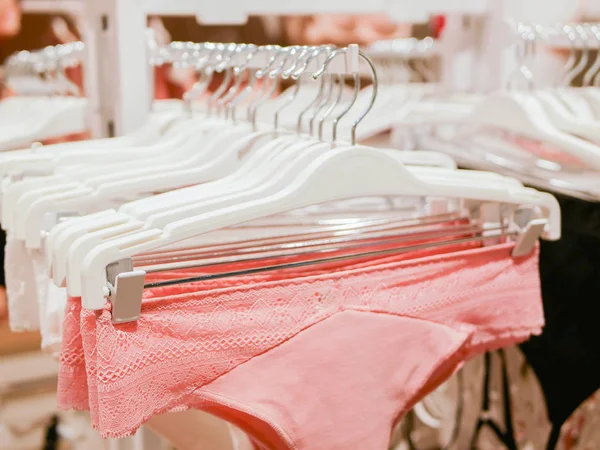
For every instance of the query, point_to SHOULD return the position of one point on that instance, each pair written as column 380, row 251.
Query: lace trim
column 185, row 341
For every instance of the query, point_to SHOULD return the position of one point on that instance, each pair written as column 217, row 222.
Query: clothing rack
column 65, row 55
column 116, row 32
column 565, row 36
column 116, row 40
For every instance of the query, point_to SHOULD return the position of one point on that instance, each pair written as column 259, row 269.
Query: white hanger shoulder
column 336, row 175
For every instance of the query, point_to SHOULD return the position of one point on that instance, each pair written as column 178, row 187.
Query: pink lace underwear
column 326, row 358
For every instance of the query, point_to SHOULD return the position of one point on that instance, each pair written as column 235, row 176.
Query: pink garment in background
column 219, row 349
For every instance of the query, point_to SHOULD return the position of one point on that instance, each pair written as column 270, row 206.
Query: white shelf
column 237, row 11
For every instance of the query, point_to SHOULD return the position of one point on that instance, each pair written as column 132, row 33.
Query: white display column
column 118, row 77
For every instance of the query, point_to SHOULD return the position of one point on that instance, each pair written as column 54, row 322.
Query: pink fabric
column 73, row 392
column 220, row 346
column 313, row 391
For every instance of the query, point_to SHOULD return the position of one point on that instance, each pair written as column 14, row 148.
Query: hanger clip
column 529, row 237
column 126, row 289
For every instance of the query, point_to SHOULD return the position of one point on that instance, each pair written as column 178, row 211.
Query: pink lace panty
column 324, row 359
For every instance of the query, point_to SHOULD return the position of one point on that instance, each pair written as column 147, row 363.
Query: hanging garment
column 21, row 287
column 565, row 357
column 34, row 302
column 198, row 345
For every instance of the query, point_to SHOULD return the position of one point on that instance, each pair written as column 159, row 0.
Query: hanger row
column 404, row 47
column 46, row 59
column 212, row 173
column 573, row 36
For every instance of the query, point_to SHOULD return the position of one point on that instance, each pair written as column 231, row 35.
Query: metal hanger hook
column 301, row 58
column 590, row 75
column 375, row 85
column 318, row 50
column 569, row 32
column 579, row 31
column 521, row 53
column 279, row 52
column 338, row 99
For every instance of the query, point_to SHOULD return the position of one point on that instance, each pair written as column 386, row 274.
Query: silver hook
column 249, row 89
column 576, row 70
column 355, row 91
column 223, row 58
column 57, row 61
column 244, row 95
column 279, row 51
column 297, row 74
column 238, row 70
column 530, row 54
column 288, row 102
column 521, row 54
column 312, row 56
column 271, row 75
column 312, row 104
column 258, row 74
column 322, row 105
column 286, row 74
column 568, row 31
column 202, row 65
column 375, row 86
column 302, row 58
column 590, row 74
column 275, row 75
column 327, row 113
column 237, row 75
column 422, row 47
column 319, row 102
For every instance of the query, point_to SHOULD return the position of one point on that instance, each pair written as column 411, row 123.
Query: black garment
column 506, row 437
column 52, row 438
column 566, row 357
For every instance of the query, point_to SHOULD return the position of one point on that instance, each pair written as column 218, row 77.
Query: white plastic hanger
column 565, row 120
column 565, row 107
column 522, row 114
column 64, row 117
column 215, row 168
column 159, row 178
column 86, row 177
column 43, row 157
column 67, row 153
column 335, row 175
column 111, row 221
column 307, row 155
